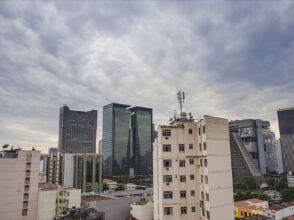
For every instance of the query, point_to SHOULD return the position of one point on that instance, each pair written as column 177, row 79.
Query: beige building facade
column 192, row 170
column 19, row 176
column 54, row 199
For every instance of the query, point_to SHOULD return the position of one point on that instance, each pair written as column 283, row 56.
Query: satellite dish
column 5, row 146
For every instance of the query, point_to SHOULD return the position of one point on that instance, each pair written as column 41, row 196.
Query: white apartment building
column 54, row 199
column 192, row 170
column 19, row 176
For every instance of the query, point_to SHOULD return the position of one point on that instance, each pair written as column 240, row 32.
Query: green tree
column 105, row 187
column 120, row 187
column 288, row 194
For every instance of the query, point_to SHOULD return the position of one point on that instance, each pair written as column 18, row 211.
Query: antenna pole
column 181, row 98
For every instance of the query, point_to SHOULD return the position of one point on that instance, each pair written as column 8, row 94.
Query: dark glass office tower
column 286, row 126
column 77, row 131
column 116, row 140
column 127, row 140
column 141, row 140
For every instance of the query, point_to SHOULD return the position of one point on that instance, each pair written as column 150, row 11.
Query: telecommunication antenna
column 181, row 98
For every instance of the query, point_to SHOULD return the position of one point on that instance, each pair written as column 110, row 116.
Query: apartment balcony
column 28, row 167
column 27, row 189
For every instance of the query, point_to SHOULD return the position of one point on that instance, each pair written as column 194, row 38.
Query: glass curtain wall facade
column 127, row 140
column 141, row 135
column 88, row 172
column 286, row 126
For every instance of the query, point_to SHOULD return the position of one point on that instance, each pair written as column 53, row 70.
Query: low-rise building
column 290, row 179
column 257, row 207
column 142, row 210
column 55, row 199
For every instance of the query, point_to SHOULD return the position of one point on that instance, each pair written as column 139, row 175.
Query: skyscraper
column 127, row 140
column 77, row 131
column 286, row 125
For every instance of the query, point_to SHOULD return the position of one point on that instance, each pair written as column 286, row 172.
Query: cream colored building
column 192, row 170
column 142, row 210
column 54, row 199
column 19, row 176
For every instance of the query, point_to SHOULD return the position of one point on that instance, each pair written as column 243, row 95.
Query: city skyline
column 232, row 61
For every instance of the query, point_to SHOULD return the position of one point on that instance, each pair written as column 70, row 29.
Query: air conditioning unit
column 167, row 184
column 166, row 138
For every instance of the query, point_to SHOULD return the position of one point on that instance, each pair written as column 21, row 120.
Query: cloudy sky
column 234, row 60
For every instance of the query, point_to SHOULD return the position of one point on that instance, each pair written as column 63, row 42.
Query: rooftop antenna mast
column 181, row 98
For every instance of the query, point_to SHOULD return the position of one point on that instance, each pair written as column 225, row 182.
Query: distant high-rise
column 254, row 149
column 127, row 140
column 77, row 131
column 286, row 125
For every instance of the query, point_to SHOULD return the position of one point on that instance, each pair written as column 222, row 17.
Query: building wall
column 68, row 174
column 281, row 214
column 286, row 126
column 19, row 186
column 77, row 131
column 142, row 212
column 47, row 205
column 214, row 135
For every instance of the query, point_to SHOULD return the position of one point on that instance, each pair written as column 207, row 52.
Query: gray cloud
column 234, row 61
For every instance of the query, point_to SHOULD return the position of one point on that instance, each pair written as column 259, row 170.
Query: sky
column 233, row 60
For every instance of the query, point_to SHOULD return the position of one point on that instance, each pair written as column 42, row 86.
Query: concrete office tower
column 286, row 125
column 82, row 171
column 77, row 131
column 254, row 149
column 127, row 140
column 192, row 170
column 19, row 176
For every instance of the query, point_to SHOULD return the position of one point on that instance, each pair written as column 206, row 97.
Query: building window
column 181, row 147
column 207, row 197
column 166, row 148
column 168, row 210
column 206, row 179
column 208, row 214
column 182, row 178
column 167, row 163
column 204, row 145
column 191, row 146
column 202, row 195
column 183, row 194
column 192, row 177
column 193, row 209
column 201, row 177
column 199, row 131
column 191, row 161
column 203, row 129
column 201, row 163
column 166, row 133
column 200, row 147
column 192, row 193
column 24, row 212
column 205, row 162
column 183, row 210
column 167, row 194
column 190, row 131
column 182, row 163
column 167, row 178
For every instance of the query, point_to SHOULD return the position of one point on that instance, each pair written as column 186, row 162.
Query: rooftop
column 50, row 186
column 285, row 109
